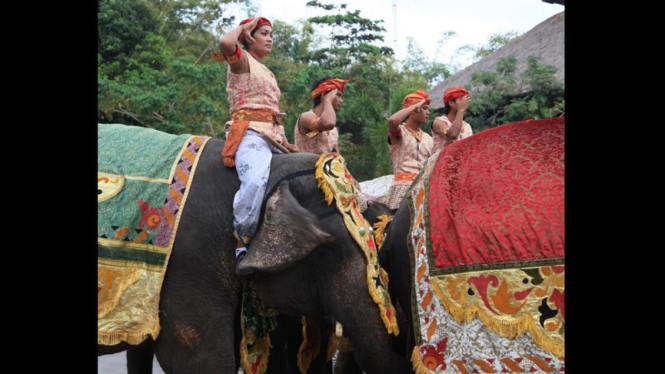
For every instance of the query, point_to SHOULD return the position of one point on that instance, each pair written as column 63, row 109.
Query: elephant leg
column 360, row 316
column 372, row 346
column 140, row 358
column 238, row 337
column 198, row 317
column 202, row 342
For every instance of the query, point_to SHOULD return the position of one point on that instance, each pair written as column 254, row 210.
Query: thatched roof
column 546, row 41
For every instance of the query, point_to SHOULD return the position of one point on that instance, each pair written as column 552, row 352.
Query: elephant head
column 303, row 261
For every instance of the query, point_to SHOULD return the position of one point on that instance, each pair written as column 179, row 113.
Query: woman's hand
column 247, row 30
column 291, row 148
column 460, row 104
column 330, row 96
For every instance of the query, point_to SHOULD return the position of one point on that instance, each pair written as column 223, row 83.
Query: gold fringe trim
column 329, row 193
column 314, row 332
column 261, row 344
column 380, row 229
column 244, row 363
column 302, row 365
column 418, row 365
column 509, row 329
column 110, row 304
column 390, row 323
column 115, row 338
column 321, row 179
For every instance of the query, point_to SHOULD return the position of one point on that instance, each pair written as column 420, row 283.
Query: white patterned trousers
column 253, row 167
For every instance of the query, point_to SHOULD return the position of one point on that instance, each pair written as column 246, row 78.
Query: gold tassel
column 418, row 365
column 264, row 346
column 380, row 228
column 302, row 365
column 244, row 363
column 311, row 335
column 261, row 345
column 391, row 324
column 323, row 185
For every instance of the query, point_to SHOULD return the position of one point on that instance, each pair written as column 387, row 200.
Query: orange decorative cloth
column 453, row 93
column 415, row 97
column 262, row 21
column 329, row 85
column 241, row 119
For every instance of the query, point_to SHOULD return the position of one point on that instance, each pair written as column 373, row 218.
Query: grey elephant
column 302, row 261
column 479, row 238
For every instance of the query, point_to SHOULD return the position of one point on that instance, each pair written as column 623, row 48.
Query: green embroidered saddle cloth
column 143, row 181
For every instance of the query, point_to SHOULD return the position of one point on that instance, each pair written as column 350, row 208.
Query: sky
column 426, row 21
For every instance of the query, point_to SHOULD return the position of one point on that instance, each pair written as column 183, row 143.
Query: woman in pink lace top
column 253, row 97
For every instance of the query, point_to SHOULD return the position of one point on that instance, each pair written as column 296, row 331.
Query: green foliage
column 504, row 96
column 349, row 36
column 149, row 70
column 419, row 68
column 155, row 70
column 494, row 42
column 127, row 28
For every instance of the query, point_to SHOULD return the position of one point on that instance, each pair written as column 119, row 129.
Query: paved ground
column 117, row 364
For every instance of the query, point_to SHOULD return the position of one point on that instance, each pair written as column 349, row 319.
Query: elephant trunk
column 352, row 305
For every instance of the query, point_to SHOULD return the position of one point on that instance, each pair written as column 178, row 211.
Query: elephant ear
column 288, row 233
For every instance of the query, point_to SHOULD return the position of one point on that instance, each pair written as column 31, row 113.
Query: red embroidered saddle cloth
column 497, row 200
column 487, row 234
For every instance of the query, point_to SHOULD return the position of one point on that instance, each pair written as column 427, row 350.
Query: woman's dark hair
column 245, row 44
column 446, row 108
column 317, row 100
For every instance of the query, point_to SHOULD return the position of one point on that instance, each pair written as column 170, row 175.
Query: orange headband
column 262, row 21
column 415, row 97
column 329, row 85
column 453, row 93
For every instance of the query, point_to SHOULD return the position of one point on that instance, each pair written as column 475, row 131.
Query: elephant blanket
column 487, row 253
column 143, row 181
column 337, row 184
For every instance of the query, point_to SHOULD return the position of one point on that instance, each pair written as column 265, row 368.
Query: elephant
column 302, row 261
column 530, row 148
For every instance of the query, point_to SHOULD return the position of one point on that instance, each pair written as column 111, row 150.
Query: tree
column 350, row 36
column 494, row 42
column 422, row 68
column 150, row 67
column 504, row 96
column 128, row 30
